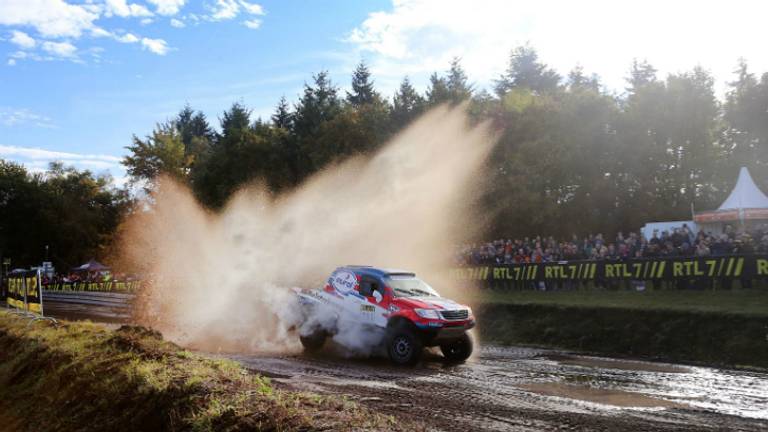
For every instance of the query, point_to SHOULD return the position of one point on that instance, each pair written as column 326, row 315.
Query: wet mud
column 525, row 389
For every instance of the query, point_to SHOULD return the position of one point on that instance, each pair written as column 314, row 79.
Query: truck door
column 374, row 307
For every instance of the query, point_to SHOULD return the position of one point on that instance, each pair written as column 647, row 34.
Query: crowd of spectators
column 75, row 277
column 681, row 241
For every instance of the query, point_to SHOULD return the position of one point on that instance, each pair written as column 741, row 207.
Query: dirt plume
column 221, row 280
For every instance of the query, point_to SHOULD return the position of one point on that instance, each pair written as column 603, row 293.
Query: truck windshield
column 411, row 287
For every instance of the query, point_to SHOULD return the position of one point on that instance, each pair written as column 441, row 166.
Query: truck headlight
column 427, row 313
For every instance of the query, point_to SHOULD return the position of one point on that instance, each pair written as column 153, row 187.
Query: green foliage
column 437, row 92
column 526, row 71
column 173, row 148
column 407, row 104
column 362, row 87
column 72, row 212
column 567, row 149
column 160, row 153
column 456, row 82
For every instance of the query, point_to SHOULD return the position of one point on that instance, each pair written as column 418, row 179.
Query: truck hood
column 438, row 303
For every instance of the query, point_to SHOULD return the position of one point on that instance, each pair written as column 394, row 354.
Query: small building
column 745, row 207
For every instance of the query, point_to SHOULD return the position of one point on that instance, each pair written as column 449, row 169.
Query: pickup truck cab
column 411, row 314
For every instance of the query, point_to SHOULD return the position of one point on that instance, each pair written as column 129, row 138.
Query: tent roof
column 91, row 265
column 745, row 194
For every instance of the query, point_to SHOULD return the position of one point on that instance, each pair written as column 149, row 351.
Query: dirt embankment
column 82, row 377
column 676, row 336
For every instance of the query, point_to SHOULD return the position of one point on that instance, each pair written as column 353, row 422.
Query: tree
column 578, row 81
column 569, row 151
column 437, row 92
column 362, row 87
column 172, row 149
column 282, row 118
column 193, row 125
column 526, row 71
column 318, row 104
column 234, row 122
column 456, row 82
column 159, row 153
column 407, row 104
column 641, row 74
column 72, row 212
column 746, row 122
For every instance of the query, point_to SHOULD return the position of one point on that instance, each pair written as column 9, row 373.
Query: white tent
column 746, row 203
column 745, row 195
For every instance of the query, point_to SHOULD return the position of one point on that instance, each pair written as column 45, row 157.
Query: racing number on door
column 367, row 287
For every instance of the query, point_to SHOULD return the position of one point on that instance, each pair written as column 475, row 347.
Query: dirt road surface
column 525, row 389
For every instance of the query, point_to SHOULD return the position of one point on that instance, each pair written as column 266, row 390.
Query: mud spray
column 222, row 281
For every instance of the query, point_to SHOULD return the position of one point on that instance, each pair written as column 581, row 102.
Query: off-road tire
column 458, row 350
column 404, row 346
column 313, row 342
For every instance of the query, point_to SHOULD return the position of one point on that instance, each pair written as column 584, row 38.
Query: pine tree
column 282, row 118
column 319, row 103
column 438, row 90
column 406, row 104
column 526, row 71
column 456, row 82
column 317, row 106
column 578, row 81
column 641, row 74
column 362, row 87
column 234, row 121
column 196, row 133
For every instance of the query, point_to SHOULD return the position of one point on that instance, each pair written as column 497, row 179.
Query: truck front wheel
column 313, row 341
column 404, row 347
column 458, row 349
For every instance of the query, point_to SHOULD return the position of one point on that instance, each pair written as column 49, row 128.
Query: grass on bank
column 83, row 377
column 740, row 301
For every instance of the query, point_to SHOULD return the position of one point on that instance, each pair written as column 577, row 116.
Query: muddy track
column 507, row 388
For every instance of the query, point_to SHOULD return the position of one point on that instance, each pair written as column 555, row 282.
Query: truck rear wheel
column 313, row 341
column 404, row 347
column 458, row 349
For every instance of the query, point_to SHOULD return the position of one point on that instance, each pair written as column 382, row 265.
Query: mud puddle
column 606, row 363
column 601, row 396
column 521, row 389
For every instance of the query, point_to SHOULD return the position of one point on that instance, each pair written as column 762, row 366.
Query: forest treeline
column 569, row 149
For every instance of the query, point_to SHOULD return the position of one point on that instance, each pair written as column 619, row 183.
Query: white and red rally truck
column 391, row 306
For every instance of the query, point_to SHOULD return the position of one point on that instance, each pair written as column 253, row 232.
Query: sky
column 79, row 78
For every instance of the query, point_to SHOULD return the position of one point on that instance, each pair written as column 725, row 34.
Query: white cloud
column 252, row 8
column 146, row 21
column 127, row 38
column 157, row 46
column 168, row 7
column 11, row 62
column 22, row 39
column 35, row 153
column 23, row 116
column 60, row 49
column 417, row 37
column 100, row 32
column 123, row 9
column 177, row 23
column 37, row 159
column 225, row 9
column 51, row 18
column 229, row 9
column 252, row 24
